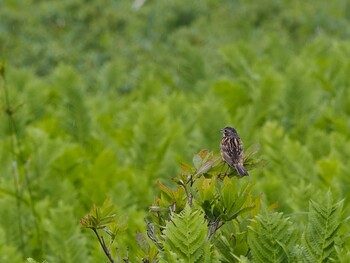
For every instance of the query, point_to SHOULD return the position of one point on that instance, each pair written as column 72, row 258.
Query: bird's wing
column 236, row 148
column 231, row 150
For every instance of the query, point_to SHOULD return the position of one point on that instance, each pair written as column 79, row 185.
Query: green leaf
column 204, row 189
column 270, row 237
column 200, row 158
column 197, row 161
column 100, row 217
column 166, row 190
column 234, row 195
column 170, row 197
column 322, row 229
column 185, row 238
column 328, row 168
column 231, row 241
column 250, row 160
column 186, row 168
column 205, row 167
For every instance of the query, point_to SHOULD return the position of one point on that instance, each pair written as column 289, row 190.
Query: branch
column 103, row 245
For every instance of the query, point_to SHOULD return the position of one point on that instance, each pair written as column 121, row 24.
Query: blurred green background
column 103, row 98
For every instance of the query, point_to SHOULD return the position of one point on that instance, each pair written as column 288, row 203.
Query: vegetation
column 103, row 100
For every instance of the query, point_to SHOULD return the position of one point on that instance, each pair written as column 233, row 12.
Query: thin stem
column 18, row 191
column 103, row 245
column 19, row 159
column 189, row 195
column 214, row 226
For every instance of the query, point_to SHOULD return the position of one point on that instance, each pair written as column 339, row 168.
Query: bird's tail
column 241, row 170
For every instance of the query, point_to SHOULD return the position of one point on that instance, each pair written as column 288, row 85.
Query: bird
column 231, row 149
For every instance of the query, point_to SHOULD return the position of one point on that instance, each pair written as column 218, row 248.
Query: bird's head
column 228, row 131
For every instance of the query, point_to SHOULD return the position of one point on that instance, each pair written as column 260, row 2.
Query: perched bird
column 231, row 150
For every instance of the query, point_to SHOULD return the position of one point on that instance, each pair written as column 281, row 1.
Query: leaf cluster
column 221, row 221
column 87, row 113
column 104, row 219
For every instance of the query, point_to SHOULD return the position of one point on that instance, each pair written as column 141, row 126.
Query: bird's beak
column 222, row 130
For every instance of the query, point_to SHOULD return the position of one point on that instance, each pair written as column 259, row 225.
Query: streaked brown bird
column 231, row 149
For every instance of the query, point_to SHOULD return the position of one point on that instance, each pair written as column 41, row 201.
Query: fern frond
column 186, row 238
column 323, row 224
column 64, row 237
column 224, row 248
column 270, row 237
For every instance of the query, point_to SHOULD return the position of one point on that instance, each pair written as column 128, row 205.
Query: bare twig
column 214, row 226
column 189, row 195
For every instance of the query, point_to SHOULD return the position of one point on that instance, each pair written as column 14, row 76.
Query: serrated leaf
column 323, row 224
column 186, row 237
column 270, row 237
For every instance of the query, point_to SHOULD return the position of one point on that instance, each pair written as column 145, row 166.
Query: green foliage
column 222, row 200
column 319, row 239
column 232, row 200
column 8, row 253
column 209, row 218
column 106, row 98
column 68, row 240
column 271, row 237
column 226, row 202
column 104, row 219
column 185, row 238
